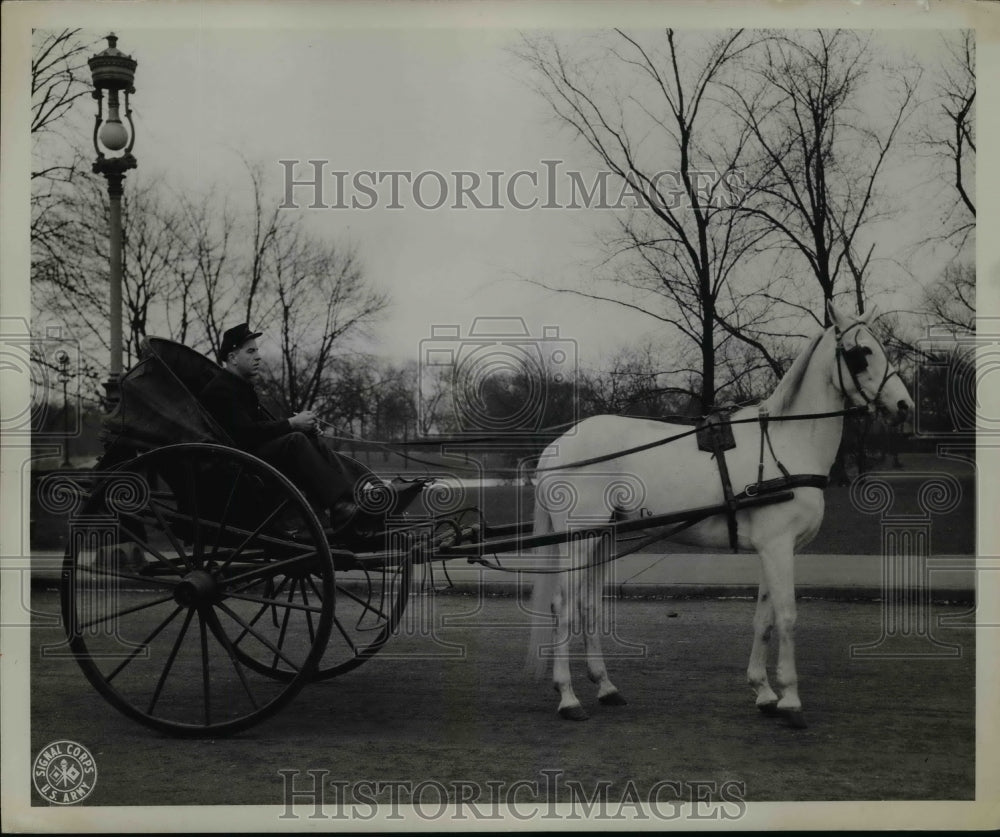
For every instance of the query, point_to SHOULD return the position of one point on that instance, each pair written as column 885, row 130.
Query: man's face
column 245, row 361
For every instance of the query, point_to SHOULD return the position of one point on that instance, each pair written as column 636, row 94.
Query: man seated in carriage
column 291, row 445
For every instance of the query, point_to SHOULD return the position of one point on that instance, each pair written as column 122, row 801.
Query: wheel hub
column 195, row 589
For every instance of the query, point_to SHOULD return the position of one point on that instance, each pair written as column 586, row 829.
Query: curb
column 509, row 589
column 669, row 576
column 803, row 592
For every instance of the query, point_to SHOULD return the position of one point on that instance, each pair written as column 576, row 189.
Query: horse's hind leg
column 564, row 606
column 592, row 617
column 763, row 623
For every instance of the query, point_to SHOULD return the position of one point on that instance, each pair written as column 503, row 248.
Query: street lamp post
column 63, row 360
column 114, row 71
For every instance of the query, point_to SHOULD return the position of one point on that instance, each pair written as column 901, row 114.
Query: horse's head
column 862, row 371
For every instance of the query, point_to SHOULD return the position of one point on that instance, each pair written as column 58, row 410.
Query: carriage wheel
column 370, row 596
column 229, row 556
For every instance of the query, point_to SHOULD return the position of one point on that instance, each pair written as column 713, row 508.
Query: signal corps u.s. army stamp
column 64, row 772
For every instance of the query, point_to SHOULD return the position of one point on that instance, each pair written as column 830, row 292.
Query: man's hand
column 304, row 422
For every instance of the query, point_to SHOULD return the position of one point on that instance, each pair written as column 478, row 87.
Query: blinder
column 856, row 359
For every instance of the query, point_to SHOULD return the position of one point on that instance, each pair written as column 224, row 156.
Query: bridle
column 855, row 359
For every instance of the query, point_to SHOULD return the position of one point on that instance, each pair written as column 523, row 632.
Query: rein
column 853, row 362
column 847, row 411
column 393, row 449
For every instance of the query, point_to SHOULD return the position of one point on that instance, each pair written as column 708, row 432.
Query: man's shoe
column 391, row 498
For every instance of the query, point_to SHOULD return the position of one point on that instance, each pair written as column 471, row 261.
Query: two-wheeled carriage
column 200, row 592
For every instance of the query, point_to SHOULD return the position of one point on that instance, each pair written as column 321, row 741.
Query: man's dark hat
column 233, row 338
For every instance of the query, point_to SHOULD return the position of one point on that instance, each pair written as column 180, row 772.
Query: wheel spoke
column 225, row 516
column 204, row 667
column 170, row 662
column 278, row 509
column 145, row 643
column 269, row 540
column 284, row 622
column 263, row 640
column 234, row 658
column 127, row 610
column 178, row 547
column 152, row 579
column 270, row 602
column 343, row 633
column 365, row 604
column 142, row 542
column 262, row 611
column 309, row 616
column 272, row 569
column 197, row 550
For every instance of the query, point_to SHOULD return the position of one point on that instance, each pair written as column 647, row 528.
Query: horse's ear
column 870, row 316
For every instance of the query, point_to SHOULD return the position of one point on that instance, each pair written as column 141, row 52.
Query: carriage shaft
column 690, row 516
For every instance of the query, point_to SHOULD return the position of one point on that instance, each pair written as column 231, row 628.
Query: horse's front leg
column 777, row 558
column 592, row 617
column 763, row 623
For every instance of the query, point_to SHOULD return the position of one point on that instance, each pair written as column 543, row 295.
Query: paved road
column 447, row 700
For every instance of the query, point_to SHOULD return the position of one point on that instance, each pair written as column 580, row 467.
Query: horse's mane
column 788, row 387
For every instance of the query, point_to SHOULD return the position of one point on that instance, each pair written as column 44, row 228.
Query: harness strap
column 764, row 434
column 718, row 451
column 762, row 415
column 783, row 483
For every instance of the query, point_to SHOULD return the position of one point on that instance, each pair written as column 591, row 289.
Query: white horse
column 845, row 363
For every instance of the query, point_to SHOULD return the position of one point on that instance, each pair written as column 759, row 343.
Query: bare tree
column 822, row 156
column 205, row 291
column 58, row 78
column 648, row 111
column 57, row 81
column 319, row 296
column 434, row 395
column 633, row 382
column 267, row 225
column 951, row 301
column 951, row 137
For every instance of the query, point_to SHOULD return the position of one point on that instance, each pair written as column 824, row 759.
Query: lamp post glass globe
column 113, row 135
column 62, row 358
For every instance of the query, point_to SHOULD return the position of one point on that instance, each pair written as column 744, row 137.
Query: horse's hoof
column 573, row 713
column 613, row 699
column 770, row 708
column 794, row 718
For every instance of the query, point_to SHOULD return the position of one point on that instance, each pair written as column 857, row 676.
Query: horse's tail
column 542, row 595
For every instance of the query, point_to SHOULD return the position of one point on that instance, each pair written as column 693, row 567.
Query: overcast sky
column 439, row 99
